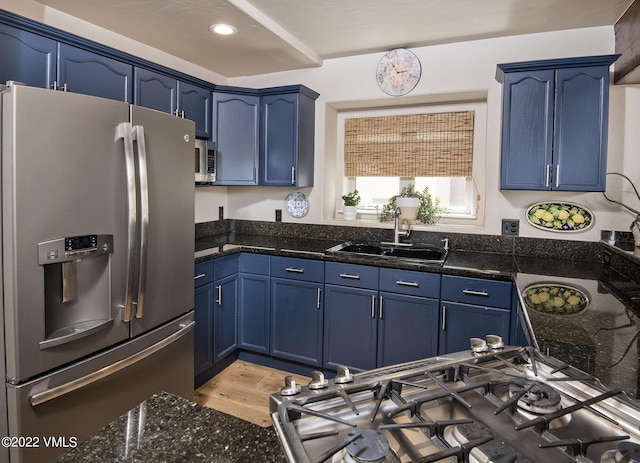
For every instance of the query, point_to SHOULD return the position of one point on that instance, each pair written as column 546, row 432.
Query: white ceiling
column 280, row 35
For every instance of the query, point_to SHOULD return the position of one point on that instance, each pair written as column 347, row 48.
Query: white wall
column 453, row 72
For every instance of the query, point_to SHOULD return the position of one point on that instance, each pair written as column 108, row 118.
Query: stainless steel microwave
column 205, row 157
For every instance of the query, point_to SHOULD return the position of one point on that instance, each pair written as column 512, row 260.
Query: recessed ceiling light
column 223, row 29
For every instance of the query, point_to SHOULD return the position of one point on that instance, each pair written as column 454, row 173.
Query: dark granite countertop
column 166, row 428
column 603, row 341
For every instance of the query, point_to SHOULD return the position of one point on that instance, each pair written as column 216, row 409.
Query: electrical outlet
column 510, row 227
column 278, row 215
column 220, row 212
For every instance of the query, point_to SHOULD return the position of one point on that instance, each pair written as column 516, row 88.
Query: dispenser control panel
column 74, row 247
column 80, row 242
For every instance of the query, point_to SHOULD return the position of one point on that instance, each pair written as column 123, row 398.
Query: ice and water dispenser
column 77, row 287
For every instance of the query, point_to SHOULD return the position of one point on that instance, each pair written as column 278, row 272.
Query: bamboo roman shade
column 416, row 145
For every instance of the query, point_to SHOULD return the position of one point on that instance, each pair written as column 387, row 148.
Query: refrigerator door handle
column 138, row 136
column 125, row 131
column 53, row 393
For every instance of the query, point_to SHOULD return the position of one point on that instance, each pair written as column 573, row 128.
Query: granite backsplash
column 514, row 245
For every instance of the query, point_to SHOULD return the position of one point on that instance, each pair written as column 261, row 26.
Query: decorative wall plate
column 555, row 299
column 297, row 204
column 559, row 216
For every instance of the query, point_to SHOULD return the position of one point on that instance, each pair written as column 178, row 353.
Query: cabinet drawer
column 254, row 263
column 476, row 291
column 353, row 275
column 411, row 283
column 225, row 266
column 297, row 269
column 203, row 273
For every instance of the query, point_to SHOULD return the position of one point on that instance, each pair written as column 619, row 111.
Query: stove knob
column 478, row 345
column 318, row 381
column 290, row 386
column 495, row 341
column 343, row 376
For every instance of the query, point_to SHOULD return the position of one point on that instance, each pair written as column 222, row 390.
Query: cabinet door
column 581, row 121
column 296, row 321
column 225, row 317
column 278, row 163
column 461, row 322
column 88, row 73
column 350, row 325
column 527, row 130
column 194, row 103
column 407, row 328
column 155, row 91
column 254, row 312
column 235, row 136
column 27, row 57
column 203, row 333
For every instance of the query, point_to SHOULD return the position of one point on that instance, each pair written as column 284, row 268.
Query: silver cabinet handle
column 179, row 113
column 219, row 300
column 349, row 276
column 294, row 270
column 557, row 175
column 407, row 283
column 548, row 176
column 293, row 175
column 53, row 393
column 319, row 299
column 444, row 318
column 472, row 292
column 125, row 131
column 380, row 307
column 54, row 85
column 138, row 136
column 373, row 306
column 200, row 275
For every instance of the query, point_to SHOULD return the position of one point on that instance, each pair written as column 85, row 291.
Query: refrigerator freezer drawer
column 73, row 403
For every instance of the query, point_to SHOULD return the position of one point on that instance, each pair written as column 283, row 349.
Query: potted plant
column 414, row 205
column 351, row 201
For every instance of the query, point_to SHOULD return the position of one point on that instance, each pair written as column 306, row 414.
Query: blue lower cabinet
column 203, row 333
column 461, row 322
column 203, row 315
column 225, row 317
column 407, row 328
column 254, row 312
column 350, row 327
column 296, row 320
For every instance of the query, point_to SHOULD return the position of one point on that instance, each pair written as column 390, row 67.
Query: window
column 386, row 150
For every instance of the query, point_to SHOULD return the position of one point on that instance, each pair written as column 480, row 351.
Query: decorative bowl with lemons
column 559, row 217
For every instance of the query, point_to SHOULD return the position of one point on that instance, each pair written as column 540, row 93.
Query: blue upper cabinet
column 156, row 91
column 27, row 57
column 194, row 103
column 264, row 137
column 287, row 137
column 43, row 62
column 170, row 95
column 236, row 119
column 82, row 71
column 554, row 124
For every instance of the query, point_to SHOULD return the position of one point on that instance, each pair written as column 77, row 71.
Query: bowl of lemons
column 555, row 299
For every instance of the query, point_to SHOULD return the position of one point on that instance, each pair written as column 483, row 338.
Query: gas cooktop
column 490, row 404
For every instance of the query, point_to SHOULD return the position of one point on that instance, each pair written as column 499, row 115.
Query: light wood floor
column 243, row 390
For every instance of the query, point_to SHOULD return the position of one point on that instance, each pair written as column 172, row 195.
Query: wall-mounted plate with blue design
column 297, row 204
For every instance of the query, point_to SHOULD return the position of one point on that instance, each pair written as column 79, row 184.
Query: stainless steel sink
column 425, row 254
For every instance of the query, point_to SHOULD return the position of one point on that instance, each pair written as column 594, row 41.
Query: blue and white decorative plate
column 297, row 204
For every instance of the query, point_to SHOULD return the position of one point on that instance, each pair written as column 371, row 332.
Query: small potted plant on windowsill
column 414, row 205
column 351, row 201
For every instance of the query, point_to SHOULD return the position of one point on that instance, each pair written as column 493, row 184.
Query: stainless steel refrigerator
column 97, row 264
